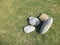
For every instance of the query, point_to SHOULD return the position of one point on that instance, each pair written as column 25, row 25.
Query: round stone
column 43, row 17
column 46, row 25
column 29, row 29
column 34, row 21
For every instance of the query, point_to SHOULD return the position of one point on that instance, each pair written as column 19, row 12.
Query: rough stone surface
column 46, row 25
column 34, row 21
column 43, row 17
column 29, row 29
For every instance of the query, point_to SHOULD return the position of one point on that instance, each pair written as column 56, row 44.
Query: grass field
column 13, row 17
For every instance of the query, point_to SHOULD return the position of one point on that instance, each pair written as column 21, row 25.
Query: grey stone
column 29, row 29
column 46, row 25
column 34, row 21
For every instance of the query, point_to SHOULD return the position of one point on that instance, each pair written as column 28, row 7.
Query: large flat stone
column 46, row 25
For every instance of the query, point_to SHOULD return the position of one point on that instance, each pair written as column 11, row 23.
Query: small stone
column 29, row 29
column 43, row 17
column 34, row 21
column 46, row 25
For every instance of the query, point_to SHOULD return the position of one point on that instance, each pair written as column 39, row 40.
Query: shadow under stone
column 28, row 20
column 39, row 27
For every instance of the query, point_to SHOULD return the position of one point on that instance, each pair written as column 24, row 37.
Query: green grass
column 13, row 17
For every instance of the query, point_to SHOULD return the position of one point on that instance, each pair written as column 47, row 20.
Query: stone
column 34, row 21
column 46, row 25
column 29, row 29
column 44, row 17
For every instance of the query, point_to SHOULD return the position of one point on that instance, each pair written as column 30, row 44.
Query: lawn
column 13, row 17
